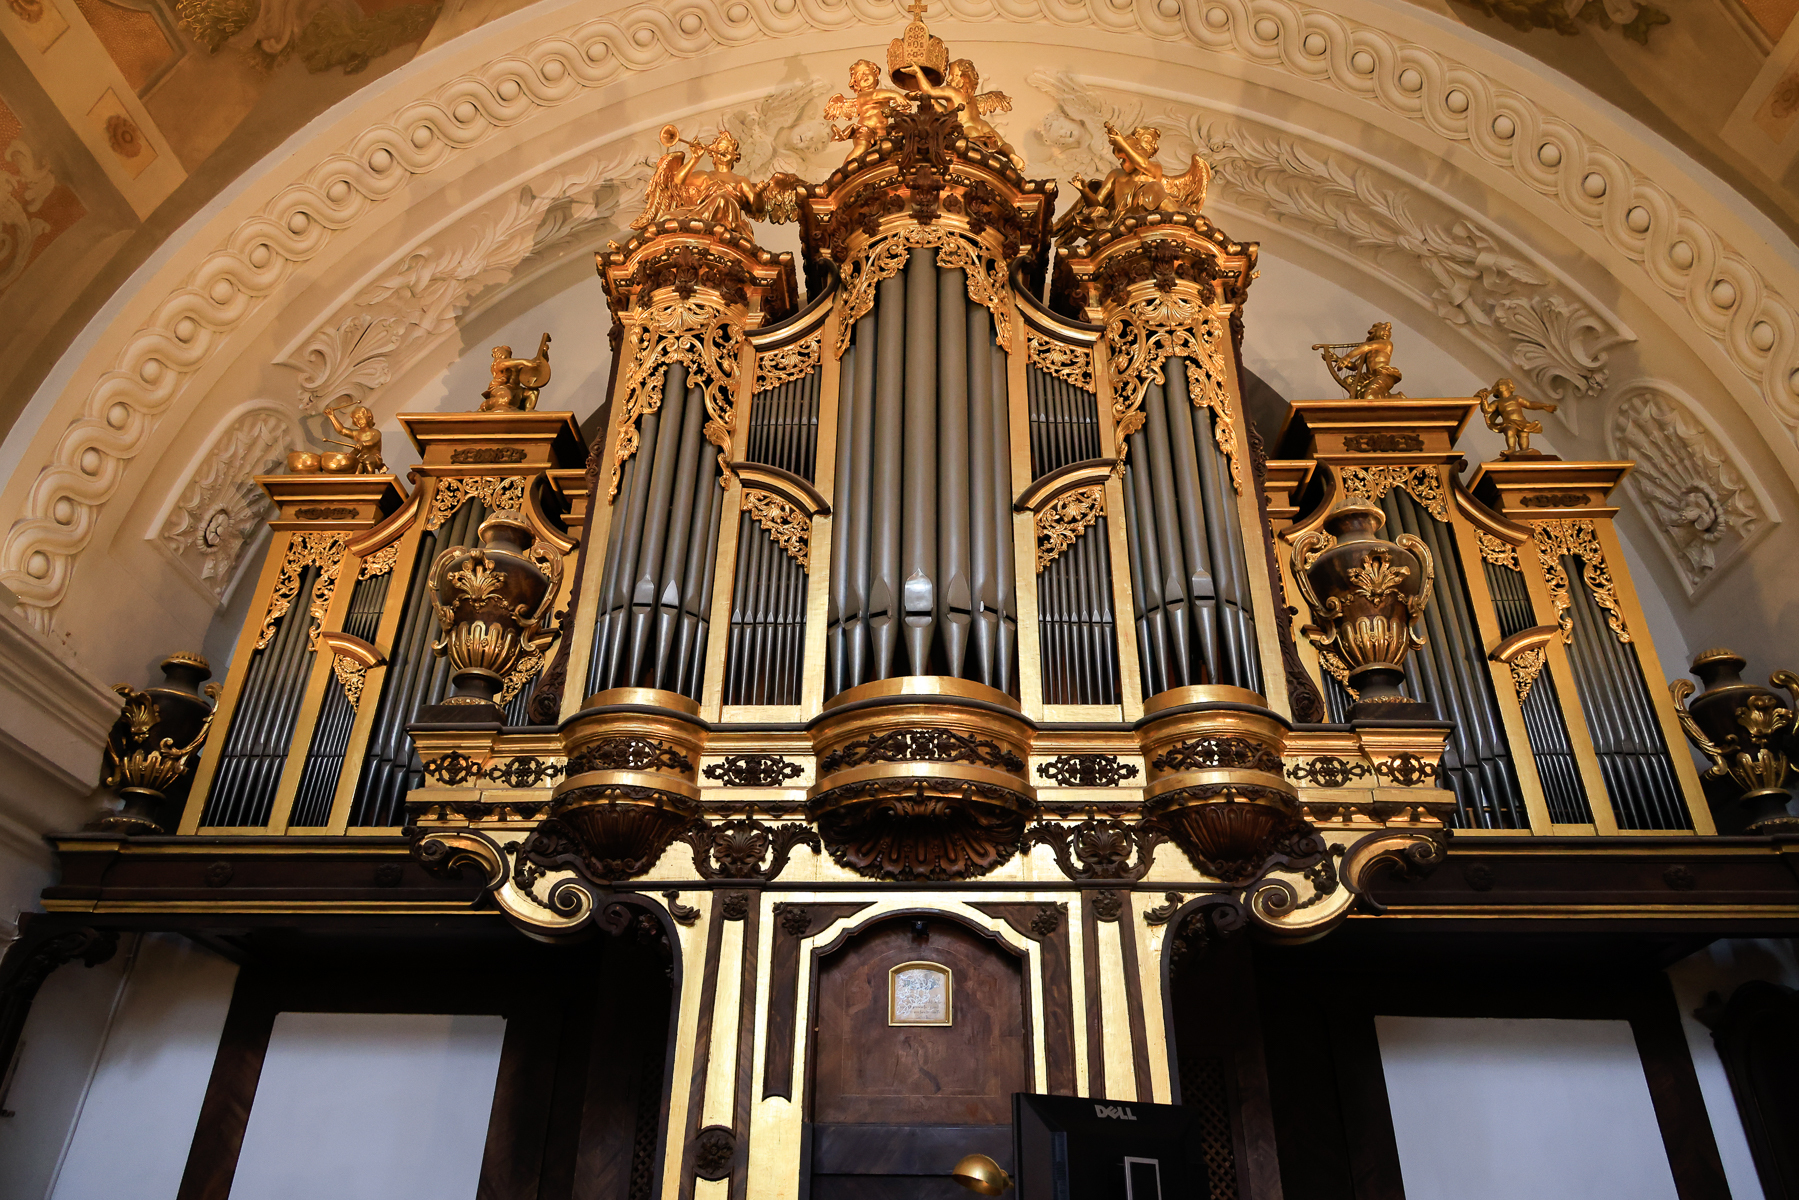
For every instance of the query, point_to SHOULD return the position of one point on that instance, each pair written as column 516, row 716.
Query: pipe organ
column 960, row 593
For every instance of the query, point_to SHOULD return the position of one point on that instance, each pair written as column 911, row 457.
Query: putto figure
column 961, row 93
column 867, row 112
column 721, row 196
column 1504, row 410
column 1137, row 185
column 516, row 380
column 1365, row 370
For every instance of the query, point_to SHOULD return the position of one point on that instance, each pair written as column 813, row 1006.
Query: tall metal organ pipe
column 921, row 580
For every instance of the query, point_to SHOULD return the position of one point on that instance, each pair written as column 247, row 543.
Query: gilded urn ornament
column 1367, row 597
column 1749, row 733
column 493, row 604
column 154, row 745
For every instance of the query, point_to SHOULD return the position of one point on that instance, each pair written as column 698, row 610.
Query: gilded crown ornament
column 917, row 55
column 151, row 750
column 493, row 605
column 1365, row 369
column 1367, row 597
column 516, row 381
column 1504, row 410
column 1750, row 734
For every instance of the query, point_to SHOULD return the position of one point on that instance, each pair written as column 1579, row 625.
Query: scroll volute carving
column 1367, row 597
column 922, row 786
column 632, row 785
column 1751, row 736
column 1216, row 786
column 493, row 605
column 154, row 745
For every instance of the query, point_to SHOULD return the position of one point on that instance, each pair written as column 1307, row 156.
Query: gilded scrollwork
column 322, row 550
column 697, row 333
column 1496, row 550
column 776, row 367
column 351, row 675
column 790, row 528
column 1071, row 364
column 1526, row 667
column 1064, row 519
column 1368, row 484
column 1139, row 339
column 1577, row 536
column 381, row 562
column 886, row 256
column 453, row 491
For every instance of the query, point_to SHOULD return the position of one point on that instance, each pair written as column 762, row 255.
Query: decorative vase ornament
column 1749, row 733
column 151, row 751
column 493, row 604
column 1367, row 597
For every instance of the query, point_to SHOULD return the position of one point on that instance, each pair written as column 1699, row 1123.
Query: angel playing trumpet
column 1137, row 185
column 678, row 188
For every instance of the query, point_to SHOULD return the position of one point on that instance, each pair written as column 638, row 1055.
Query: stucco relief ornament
column 20, row 200
column 221, row 507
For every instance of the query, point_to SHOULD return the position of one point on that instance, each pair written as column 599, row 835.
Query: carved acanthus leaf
column 220, row 508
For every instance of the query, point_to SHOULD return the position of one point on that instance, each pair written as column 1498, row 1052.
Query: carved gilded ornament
column 1577, row 536
column 1496, row 550
column 776, row 367
column 698, row 333
column 1139, row 342
column 351, row 675
column 381, row 562
column 1525, row 669
column 1071, row 364
column 322, row 550
column 1367, row 485
column 790, row 528
column 1064, row 519
column 887, row 256
column 453, row 491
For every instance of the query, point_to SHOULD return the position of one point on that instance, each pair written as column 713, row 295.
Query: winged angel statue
column 678, row 188
column 1137, row 185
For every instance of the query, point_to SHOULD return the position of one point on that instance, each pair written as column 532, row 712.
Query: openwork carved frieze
column 1211, row 753
column 1367, row 485
column 1071, row 364
column 1496, row 550
column 922, row 745
column 628, row 754
column 1329, row 771
column 701, row 335
column 789, row 363
column 888, row 255
column 322, row 550
column 745, row 848
column 1406, row 769
column 754, row 770
column 1064, row 519
column 497, row 492
column 790, row 528
column 1577, row 537
column 1087, row 770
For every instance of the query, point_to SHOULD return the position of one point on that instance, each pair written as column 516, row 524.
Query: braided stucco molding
column 1723, row 293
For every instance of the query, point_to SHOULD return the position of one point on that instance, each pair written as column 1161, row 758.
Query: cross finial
column 916, row 8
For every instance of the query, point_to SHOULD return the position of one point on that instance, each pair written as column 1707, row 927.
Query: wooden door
column 895, row 1105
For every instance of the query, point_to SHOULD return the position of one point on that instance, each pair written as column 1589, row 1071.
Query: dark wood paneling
column 225, row 1111
column 1133, row 999
column 1058, row 985
column 867, row 1071
column 702, row 1050
column 746, row 1048
column 784, row 989
column 1367, row 1118
column 1096, row 1034
column 1674, row 1087
column 905, row 1149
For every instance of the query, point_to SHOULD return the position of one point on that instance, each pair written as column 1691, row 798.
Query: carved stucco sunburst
column 1362, row 53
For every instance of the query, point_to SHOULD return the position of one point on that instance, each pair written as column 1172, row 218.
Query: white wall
column 361, row 1106
column 1498, row 1109
column 136, row 1123
column 1722, row 967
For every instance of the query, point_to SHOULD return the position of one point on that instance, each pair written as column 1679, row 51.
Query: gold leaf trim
column 1368, row 485
column 1064, row 519
column 790, row 528
column 699, row 334
column 1071, row 364
column 887, row 255
column 1496, row 550
column 1577, row 536
column 530, row 662
column 789, row 363
column 325, row 551
column 453, row 491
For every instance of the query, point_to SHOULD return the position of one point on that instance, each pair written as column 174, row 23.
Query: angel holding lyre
column 516, row 381
column 867, row 111
column 678, row 188
column 961, row 92
column 1137, row 185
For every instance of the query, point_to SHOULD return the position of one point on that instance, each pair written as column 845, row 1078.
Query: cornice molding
column 1573, row 173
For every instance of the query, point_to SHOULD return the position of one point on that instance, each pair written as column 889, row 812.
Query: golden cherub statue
column 1365, row 370
column 1504, row 410
column 721, row 196
column 1137, row 185
column 961, row 92
column 516, row 380
column 360, row 435
column 867, row 111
